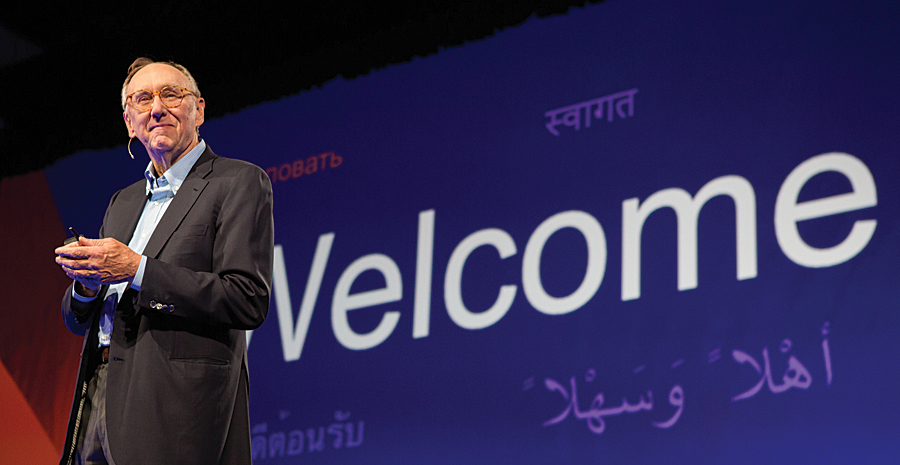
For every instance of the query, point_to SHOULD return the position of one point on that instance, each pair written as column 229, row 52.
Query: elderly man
column 163, row 374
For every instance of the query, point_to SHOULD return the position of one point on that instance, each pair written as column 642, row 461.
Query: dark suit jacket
column 177, row 384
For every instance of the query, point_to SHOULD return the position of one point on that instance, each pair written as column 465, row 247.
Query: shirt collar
column 173, row 177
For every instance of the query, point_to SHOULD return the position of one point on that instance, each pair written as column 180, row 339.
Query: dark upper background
column 61, row 68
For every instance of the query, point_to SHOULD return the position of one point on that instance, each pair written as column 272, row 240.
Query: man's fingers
column 98, row 261
column 88, row 242
column 66, row 263
column 74, row 264
column 71, row 273
column 66, row 250
column 76, row 249
column 81, row 275
column 86, row 278
column 76, row 252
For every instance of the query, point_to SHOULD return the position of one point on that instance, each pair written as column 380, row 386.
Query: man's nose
column 158, row 109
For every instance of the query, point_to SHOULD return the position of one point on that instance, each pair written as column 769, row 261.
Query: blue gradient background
column 749, row 89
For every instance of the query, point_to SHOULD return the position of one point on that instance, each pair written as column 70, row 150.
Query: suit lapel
column 187, row 195
column 129, row 206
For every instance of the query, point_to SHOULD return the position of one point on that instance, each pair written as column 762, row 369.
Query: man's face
column 168, row 132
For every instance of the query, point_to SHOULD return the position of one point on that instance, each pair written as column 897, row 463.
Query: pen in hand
column 74, row 238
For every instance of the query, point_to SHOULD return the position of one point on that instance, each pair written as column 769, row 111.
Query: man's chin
column 162, row 146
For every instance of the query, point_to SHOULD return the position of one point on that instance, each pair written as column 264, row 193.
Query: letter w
column 293, row 337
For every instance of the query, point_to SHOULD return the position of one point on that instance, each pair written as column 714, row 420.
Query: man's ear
column 131, row 132
column 201, row 106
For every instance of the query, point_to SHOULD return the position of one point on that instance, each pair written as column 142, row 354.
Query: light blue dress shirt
column 160, row 191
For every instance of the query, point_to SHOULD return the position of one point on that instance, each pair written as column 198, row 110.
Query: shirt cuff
column 81, row 298
column 139, row 276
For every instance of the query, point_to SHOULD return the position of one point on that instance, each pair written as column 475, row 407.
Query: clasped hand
column 94, row 262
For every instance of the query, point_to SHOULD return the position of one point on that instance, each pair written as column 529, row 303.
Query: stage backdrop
column 642, row 232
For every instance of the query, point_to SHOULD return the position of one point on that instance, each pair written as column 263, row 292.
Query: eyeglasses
column 170, row 96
